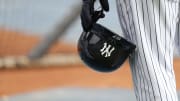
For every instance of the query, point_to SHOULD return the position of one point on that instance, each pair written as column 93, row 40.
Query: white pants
column 151, row 25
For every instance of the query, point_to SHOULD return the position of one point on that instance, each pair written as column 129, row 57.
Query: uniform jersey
column 152, row 26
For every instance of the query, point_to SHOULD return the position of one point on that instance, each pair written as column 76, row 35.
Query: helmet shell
column 102, row 50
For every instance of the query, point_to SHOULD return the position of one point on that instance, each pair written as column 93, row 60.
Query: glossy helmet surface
column 103, row 50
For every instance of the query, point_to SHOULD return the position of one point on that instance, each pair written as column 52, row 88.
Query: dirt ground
column 27, row 80
column 37, row 78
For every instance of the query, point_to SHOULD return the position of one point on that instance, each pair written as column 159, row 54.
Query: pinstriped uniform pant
column 151, row 25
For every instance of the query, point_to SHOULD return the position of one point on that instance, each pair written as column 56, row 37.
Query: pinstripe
column 127, row 24
column 170, row 31
column 140, row 83
column 163, row 74
column 178, row 31
column 170, row 51
column 122, row 18
column 170, row 44
column 151, row 50
column 159, row 22
column 151, row 58
column 157, row 47
column 142, row 46
column 125, row 30
column 144, row 23
column 127, row 11
column 159, row 62
column 165, row 39
column 165, row 60
column 145, row 66
column 178, row 34
column 149, row 28
column 178, row 26
column 135, row 79
column 148, row 72
column 135, row 70
column 143, row 74
column 138, row 70
column 118, row 2
column 159, row 19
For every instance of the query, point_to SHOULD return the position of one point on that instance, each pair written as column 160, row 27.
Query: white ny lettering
column 107, row 50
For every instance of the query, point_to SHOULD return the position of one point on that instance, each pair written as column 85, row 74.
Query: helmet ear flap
column 102, row 50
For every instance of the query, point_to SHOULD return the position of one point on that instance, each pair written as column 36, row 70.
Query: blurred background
column 39, row 60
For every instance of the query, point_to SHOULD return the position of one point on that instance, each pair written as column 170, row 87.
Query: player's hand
column 89, row 16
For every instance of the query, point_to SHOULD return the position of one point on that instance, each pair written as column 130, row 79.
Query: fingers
column 97, row 15
column 86, row 17
column 89, row 16
column 90, row 4
column 104, row 4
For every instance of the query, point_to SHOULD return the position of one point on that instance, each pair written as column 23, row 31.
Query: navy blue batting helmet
column 102, row 50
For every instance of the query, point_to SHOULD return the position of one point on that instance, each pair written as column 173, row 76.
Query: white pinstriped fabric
column 152, row 26
column 177, row 36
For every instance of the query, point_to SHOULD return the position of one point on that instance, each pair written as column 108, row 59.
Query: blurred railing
column 17, row 52
column 11, row 62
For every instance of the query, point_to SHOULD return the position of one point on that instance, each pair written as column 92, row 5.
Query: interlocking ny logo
column 107, row 50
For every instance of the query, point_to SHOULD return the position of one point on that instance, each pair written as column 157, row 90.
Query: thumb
column 104, row 4
column 97, row 15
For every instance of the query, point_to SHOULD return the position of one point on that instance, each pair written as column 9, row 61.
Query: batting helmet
column 103, row 50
